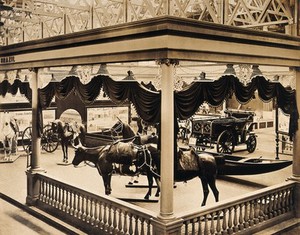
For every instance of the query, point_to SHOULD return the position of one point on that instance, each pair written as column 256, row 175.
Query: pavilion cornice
column 156, row 38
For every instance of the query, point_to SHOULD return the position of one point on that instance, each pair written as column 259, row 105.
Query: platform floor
column 187, row 196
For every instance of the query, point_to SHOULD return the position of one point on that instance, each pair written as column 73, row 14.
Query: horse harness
column 115, row 130
column 139, row 148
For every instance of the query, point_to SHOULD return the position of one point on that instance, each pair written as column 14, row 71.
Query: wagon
column 224, row 133
column 49, row 139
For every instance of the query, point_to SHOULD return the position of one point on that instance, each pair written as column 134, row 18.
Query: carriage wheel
column 225, row 142
column 251, row 143
column 49, row 139
column 27, row 138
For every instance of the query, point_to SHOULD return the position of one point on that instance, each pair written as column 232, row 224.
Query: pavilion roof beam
column 164, row 37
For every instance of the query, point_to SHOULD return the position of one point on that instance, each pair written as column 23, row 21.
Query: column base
column 295, row 178
column 33, row 186
column 164, row 226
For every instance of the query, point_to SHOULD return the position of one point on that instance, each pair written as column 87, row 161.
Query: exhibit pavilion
column 53, row 49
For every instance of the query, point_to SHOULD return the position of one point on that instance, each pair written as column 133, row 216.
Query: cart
column 224, row 133
column 49, row 139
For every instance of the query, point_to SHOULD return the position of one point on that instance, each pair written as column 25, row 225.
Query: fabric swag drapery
column 147, row 102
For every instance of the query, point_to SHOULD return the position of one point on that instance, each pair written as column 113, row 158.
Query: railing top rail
column 231, row 202
column 105, row 199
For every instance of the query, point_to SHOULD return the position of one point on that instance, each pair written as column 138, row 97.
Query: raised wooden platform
column 9, row 158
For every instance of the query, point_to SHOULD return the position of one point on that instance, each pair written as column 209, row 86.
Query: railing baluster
column 75, row 204
column 241, row 218
column 47, row 192
column 110, row 228
column 136, row 227
column 205, row 225
column 106, row 228
column 256, row 210
column 101, row 216
column 42, row 193
column 92, row 211
column 230, row 230
column 148, row 228
column 120, row 225
column 56, row 196
column 125, row 223
column 83, row 208
column 96, row 222
column 193, row 226
column 218, row 227
column 87, row 207
column 235, row 219
column 224, row 224
column 275, row 204
column 114, row 223
column 251, row 213
column 199, row 225
column 71, row 202
column 79, row 206
column 53, row 195
column 212, row 223
column 246, row 216
column 130, row 230
column 283, row 201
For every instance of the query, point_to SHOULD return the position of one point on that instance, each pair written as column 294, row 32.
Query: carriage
column 224, row 133
column 49, row 139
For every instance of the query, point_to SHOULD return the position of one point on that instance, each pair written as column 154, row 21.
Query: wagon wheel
column 27, row 138
column 49, row 139
column 251, row 143
column 225, row 142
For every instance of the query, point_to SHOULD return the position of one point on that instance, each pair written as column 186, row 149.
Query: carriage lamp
column 229, row 70
column 26, row 79
column 53, row 78
column 255, row 71
column 103, row 70
column 129, row 77
column 202, row 78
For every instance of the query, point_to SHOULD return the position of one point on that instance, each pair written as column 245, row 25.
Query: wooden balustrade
column 107, row 215
column 92, row 213
column 241, row 213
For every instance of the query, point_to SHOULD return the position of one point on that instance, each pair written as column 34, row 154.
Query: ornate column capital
column 168, row 62
column 33, row 69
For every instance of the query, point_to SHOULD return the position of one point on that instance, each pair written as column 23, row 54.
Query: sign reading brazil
column 7, row 59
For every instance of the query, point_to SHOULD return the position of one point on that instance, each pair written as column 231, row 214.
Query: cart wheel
column 49, row 139
column 225, row 142
column 27, row 138
column 251, row 143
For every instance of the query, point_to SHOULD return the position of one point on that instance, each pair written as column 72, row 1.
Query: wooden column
column 36, row 140
column 296, row 150
column 167, row 140
column 32, row 179
column 166, row 223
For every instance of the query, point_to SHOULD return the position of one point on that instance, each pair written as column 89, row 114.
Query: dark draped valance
column 23, row 87
column 188, row 100
column 147, row 102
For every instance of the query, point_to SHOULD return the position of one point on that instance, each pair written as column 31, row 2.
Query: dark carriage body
column 237, row 165
column 225, row 132
column 99, row 139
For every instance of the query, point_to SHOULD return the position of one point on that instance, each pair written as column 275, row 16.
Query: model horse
column 67, row 134
column 121, row 129
column 119, row 158
column 189, row 165
column 9, row 135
